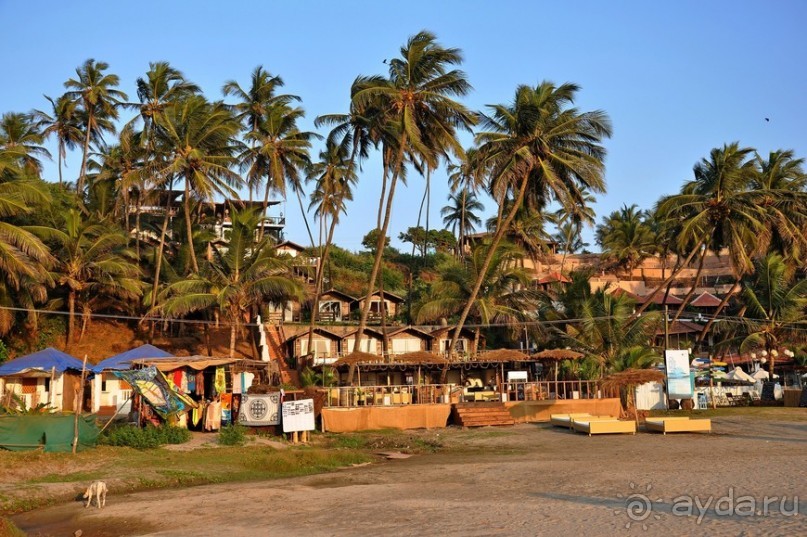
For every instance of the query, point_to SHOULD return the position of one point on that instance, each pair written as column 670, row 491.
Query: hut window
column 29, row 385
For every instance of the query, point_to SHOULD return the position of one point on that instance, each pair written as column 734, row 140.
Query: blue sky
column 677, row 78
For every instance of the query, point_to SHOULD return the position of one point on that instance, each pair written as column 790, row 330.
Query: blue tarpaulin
column 44, row 360
column 123, row 360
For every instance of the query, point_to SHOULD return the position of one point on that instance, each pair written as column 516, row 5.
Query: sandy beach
column 526, row 480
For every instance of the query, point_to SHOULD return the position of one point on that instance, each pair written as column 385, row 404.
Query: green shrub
column 149, row 437
column 233, row 435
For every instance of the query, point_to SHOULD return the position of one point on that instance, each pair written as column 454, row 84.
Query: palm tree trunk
column 71, row 321
column 461, row 237
column 497, row 237
column 382, row 236
column 692, row 288
column 189, row 225
column 61, row 160
column 83, row 172
column 669, row 279
column 428, row 208
column 305, row 218
column 719, row 310
column 159, row 261
column 263, row 212
column 318, row 283
column 233, row 330
column 85, row 320
column 137, row 227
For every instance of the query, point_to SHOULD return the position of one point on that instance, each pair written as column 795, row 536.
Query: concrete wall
column 348, row 420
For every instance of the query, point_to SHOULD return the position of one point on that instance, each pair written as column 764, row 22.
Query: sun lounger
column 678, row 425
column 565, row 420
column 604, row 426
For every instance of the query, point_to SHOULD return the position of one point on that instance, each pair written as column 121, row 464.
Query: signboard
column 298, row 415
column 678, row 383
column 260, row 410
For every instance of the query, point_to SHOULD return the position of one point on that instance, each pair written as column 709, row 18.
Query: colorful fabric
column 226, row 407
column 190, row 379
column 221, row 381
column 157, row 390
column 177, row 378
column 200, row 384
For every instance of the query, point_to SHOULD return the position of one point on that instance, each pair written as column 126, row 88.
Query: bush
column 233, row 435
column 149, row 437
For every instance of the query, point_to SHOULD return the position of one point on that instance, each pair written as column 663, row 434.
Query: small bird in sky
column 385, row 61
column 768, row 119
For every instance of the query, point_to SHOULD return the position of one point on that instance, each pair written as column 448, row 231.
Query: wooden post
column 50, row 390
column 78, row 404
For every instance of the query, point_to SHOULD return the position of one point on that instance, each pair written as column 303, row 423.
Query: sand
column 524, row 480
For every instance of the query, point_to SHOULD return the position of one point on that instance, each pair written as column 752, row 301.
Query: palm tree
column 199, row 138
column 91, row 261
column 602, row 327
column 781, row 177
column 253, row 106
column 234, row 279
column 716, row 211
column 95, row 93
column 539, row 148
column 280, row 153
column 460, row 215
column 61, row 123
column 410, row 107
column 335, row 180
column 776, row 308
column 162, row 88
column 24, row 258
column 21, row 140
column 626, row 238
column 505, row 298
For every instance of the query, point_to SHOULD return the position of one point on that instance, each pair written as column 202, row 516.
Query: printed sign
column 260, row 410
column 298, row 415
column 678, row 382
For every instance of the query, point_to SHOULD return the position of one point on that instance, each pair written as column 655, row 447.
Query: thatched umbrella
column 503, row 355
column 628, row 380
column 558, row 355
column 356, row 358
column 419, row 357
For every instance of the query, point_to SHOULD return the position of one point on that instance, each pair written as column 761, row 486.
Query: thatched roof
column 502, row 355
column 418, row 357
column 558, row 354
column 357, row 357
column 632, row 377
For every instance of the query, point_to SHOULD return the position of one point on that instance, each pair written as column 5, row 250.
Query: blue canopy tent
column 123, row 360
column 45, row 360
column 49, row 377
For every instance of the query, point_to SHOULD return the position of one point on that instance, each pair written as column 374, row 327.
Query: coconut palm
column 21, row 140
column 461, row 215
column 62, row 124
column 780, row 184
column 91, row 261
column 234, row 279
column 280, row 153
column 539, row 148
column 94, row 92
column 24, row 258
column 505, row 298
column 199, row 140
column 626, row 238
column 775, row 304
column 410, row 107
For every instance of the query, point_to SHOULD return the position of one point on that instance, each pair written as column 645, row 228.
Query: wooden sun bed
column 678, row 425
column 565, row 420
column 604, row 426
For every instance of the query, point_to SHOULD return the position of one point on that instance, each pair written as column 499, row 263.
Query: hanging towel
column 177, row 378
column 191, row 380
column 200, row 383
column 226, row 407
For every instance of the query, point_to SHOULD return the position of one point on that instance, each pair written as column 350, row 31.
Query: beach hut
column 48, row 377
column 111, row 394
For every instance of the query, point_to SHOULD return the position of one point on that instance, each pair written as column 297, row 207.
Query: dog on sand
column 97, row 489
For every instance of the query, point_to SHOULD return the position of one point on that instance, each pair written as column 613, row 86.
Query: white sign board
column 260, row 410
column 679, row 385
column 298, row 415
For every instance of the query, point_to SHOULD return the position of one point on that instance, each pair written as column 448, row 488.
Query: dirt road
column 528, row 480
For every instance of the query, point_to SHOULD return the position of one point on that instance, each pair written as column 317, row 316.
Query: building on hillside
column 466, row 344
column 390, row 308
column 408, row 339
column 334, row 306
column 303, row 266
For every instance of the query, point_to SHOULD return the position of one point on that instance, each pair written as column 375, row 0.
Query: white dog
column 97, row 489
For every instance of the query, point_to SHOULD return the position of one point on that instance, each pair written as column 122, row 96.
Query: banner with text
column 298, row 415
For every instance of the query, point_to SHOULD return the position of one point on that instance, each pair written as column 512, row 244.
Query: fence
column 354, row 396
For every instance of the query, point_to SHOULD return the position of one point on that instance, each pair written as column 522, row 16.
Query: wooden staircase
column 481, row 414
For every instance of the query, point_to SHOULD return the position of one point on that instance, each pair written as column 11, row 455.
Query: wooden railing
column 355, row 396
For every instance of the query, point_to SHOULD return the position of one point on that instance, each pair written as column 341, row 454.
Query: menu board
column 298, row 415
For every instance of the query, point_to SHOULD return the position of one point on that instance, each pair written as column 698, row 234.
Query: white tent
column 739, row 374
column 763, row 375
